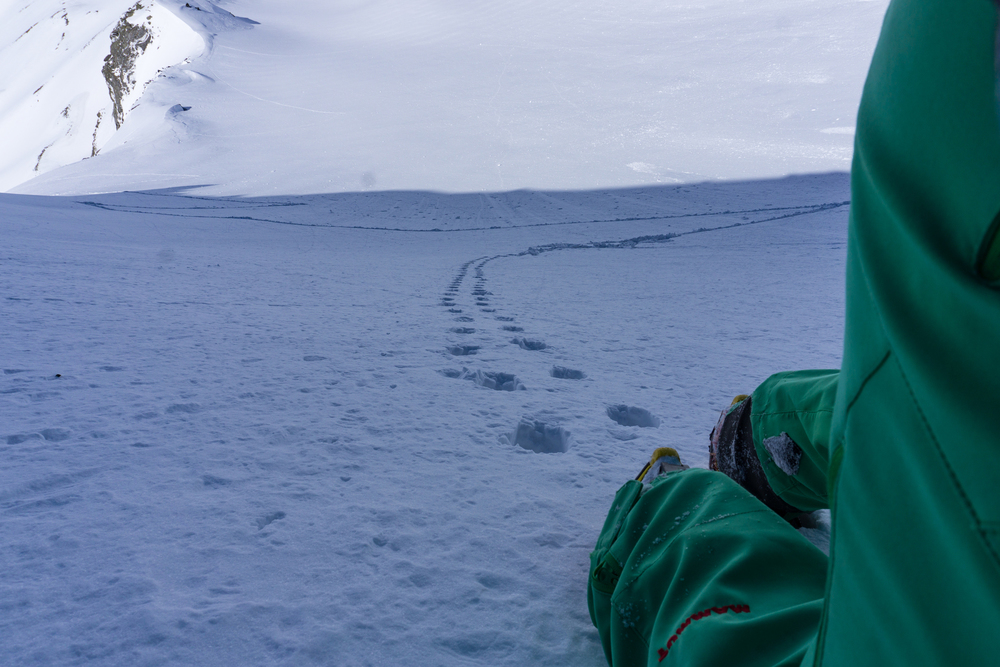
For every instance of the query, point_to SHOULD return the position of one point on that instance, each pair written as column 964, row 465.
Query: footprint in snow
column 265, row 521
column 17, row 439
column 563, row 373
column 488, row 379
column 539, row 437
column 529, row 344
column 213, row 482
column 627, row 415
column 498, row 381
column 55, row 434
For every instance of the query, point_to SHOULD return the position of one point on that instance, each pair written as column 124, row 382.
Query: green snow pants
column 902, row 444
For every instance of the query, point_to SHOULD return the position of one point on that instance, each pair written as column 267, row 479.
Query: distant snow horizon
column 248, row 98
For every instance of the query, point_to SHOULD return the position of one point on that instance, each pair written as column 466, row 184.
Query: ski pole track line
column 796, row 210
column 631, row 243
column 236, row 205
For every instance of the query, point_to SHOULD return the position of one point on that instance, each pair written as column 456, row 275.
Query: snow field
column 479, row 96
column 236, row 430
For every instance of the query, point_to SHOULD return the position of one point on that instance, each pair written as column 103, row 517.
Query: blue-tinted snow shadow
column 437, row 212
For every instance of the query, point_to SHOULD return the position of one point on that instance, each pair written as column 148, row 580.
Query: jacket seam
column 970, row 508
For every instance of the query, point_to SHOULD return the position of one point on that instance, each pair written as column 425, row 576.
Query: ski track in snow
column 229, row 441
column 153, row 210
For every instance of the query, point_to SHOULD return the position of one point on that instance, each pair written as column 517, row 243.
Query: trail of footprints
column 530, row 434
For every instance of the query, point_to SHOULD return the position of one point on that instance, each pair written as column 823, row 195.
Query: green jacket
column 902, row 444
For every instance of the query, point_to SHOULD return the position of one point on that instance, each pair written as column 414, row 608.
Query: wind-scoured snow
column 235, row 431
column 454, row 96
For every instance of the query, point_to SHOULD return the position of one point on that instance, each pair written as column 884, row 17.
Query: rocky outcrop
column 129, row 40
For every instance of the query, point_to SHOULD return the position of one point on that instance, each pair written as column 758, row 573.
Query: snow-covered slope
column 72, row 72
column 262, row 431
column 455, row 95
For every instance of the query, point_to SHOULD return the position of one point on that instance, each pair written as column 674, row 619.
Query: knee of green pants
column 695, row 570
column 798, row 407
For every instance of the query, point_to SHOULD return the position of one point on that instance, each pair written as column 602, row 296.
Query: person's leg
column 790, row 423
column 696, row 571
column 775, row 443
column 915, row 550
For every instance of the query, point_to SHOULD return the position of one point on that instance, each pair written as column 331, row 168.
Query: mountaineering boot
column 731, row 451
column 663, row 460
column 735, row 408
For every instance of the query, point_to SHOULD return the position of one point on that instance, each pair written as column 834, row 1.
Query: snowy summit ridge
column 470, row 96
column 82, row 70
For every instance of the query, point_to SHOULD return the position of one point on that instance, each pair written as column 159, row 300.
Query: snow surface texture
column 454, row 96
column 238, row 432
